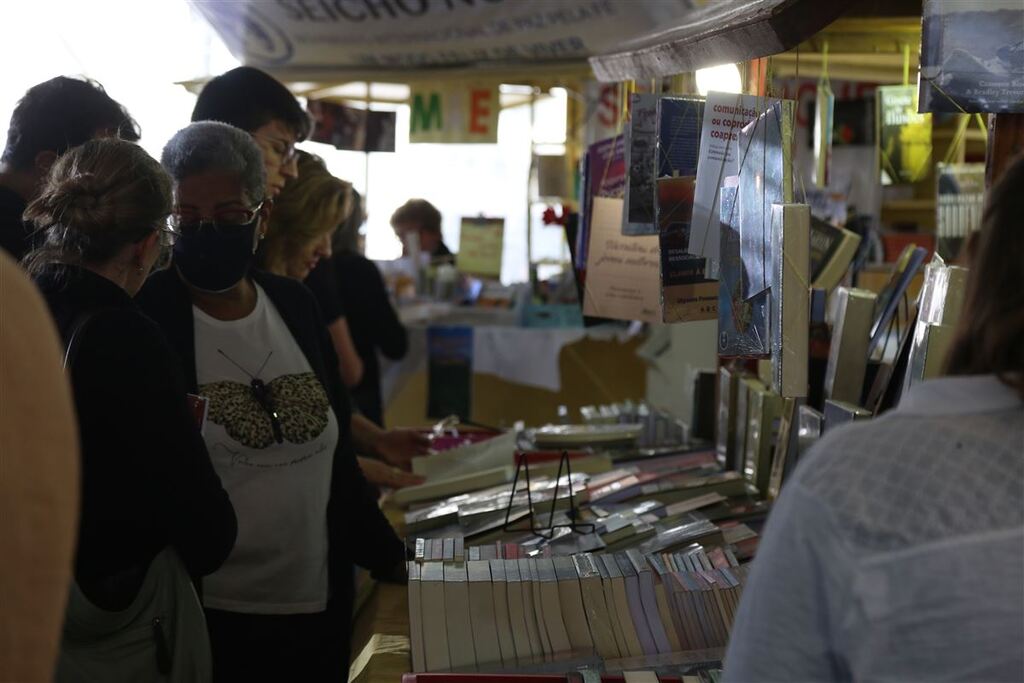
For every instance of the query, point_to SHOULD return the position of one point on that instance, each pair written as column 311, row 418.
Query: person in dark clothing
column 51, row 118
column 372, row 319
column 255, row 344
column 147, row 480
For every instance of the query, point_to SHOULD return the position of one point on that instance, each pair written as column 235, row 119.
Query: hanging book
column 604, row 175
column 623, row 271
column 904, row 136
column 742, row 322
column 824, row 111
column 790, row 299
column 766, row 178
column 725, row 114
column 972, row 56
column 641, row 160
column 686, row 293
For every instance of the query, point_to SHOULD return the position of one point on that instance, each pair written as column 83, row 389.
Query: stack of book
column 497, row 613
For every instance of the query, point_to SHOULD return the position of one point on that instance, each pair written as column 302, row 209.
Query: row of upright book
column 508, row 613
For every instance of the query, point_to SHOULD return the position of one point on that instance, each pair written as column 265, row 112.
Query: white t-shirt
column 279, row 490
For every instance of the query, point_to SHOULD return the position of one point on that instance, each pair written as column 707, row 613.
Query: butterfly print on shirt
column 300, row 400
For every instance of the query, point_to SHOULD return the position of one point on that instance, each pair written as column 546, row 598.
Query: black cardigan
column 147, row 480
column 358, row 531
column 372, row 321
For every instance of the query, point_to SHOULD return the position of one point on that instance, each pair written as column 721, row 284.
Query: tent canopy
column 400, row 40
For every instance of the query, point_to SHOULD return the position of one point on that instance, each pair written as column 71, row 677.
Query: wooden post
column 1005, row 144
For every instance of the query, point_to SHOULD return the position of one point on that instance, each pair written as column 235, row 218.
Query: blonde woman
column 305, row 217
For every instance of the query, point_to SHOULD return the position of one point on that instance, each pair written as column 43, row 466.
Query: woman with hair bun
column 153, row 510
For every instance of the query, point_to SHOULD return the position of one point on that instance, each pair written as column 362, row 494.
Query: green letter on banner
column 422, row 116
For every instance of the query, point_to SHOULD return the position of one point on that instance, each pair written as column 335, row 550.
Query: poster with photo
column 972, row 56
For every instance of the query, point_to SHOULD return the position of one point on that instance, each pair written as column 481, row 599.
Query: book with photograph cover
column 972, row 56
column 641, row 162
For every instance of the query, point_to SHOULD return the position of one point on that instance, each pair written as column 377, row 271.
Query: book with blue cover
column 687, row 294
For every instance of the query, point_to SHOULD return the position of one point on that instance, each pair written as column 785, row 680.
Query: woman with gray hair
column 255, row 346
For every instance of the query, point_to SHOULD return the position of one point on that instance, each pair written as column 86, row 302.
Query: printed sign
column 623, row 271
column 454, row 113
column 480, row 247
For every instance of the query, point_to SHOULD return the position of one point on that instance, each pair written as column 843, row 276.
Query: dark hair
column 990, row 333
column 62, row 113
column 98, row 198
column 248, row 98
column 418, row 211
column 312, row 205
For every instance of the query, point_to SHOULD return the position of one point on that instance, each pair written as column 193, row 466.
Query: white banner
column 395, row 34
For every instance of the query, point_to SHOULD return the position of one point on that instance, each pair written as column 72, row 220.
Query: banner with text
column 398, row 34
column 454, row 113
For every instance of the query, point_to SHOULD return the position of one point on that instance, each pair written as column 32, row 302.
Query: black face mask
column 214, row 258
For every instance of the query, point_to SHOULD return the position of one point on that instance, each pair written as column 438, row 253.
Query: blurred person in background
column 896, row 551
column 50, row 119
column 373, row 321
column 298, row 245
column 39, row 485
column 255, row 344
column 152, row 505
column 421, row 218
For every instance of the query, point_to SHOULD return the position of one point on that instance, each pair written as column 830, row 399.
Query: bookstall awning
column 718, row 33
column 336, row 40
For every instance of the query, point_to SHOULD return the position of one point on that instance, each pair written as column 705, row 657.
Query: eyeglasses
column 184, row 222
column 168, row 234
column 284, row 150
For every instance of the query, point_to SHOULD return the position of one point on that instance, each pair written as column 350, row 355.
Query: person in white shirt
column 896, row 552
column 278, row 433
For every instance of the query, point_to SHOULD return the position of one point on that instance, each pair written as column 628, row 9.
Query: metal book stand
column 548, row 532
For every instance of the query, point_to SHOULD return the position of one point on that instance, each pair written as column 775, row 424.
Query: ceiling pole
column 529, row 189
column 366, row 153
